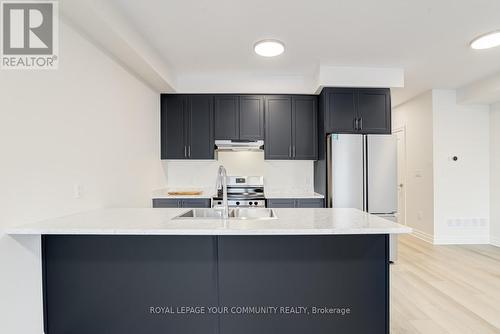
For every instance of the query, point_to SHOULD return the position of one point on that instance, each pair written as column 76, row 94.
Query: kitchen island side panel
column 344, row 271
column 107, row 284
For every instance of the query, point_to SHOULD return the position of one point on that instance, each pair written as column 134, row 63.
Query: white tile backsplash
column 286, row 175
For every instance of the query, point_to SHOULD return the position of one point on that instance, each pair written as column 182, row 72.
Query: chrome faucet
column 222, row 183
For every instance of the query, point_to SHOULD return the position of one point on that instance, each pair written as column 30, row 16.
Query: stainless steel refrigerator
column 362, row 174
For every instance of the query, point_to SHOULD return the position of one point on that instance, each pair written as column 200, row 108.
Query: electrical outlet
column 77, row 191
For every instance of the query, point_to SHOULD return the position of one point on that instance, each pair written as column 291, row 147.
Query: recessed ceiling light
column 269, row 48
column 486, row 41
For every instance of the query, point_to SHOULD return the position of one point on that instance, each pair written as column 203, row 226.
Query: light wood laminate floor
column 445, row 289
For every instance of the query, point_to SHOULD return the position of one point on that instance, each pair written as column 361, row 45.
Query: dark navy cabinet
column 251, row 114
column 117, row 284
column 200, row 127
column 295, row 203
column 304, row 271
column 226, row 117
column 173, row 129
column 340, row 109
column 374, row 110
column 281, row 203
column 181, row 203
column 356, row 110
column 278, row 136
column 239, row 117
column 291, row 127
column 305, row 127
column 187, row 127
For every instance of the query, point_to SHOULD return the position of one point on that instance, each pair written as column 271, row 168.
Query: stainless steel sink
column 239, row 213
column 254, row 213
column 202, row 214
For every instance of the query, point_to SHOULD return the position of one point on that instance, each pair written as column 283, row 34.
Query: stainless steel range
column 242, row 191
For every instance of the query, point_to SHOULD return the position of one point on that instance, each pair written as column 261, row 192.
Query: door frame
column 402, row 130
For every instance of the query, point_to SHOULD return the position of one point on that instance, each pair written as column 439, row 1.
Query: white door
column 401, row 140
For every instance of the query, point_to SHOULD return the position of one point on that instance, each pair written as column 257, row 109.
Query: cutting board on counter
column 185, row 193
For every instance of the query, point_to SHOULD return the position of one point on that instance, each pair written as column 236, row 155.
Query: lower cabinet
column 296, row 203
column 310, row 203
column 308, row 271
column 152, row 284
column 181, row 203
column 281, row 203
column 111, row 284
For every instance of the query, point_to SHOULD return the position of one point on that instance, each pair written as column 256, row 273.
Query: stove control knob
column 219, row 202
column 250, row 203
column 237, row 203
column 255, row 203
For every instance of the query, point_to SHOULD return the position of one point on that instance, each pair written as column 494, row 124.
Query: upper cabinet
column 305, row 127
column 239, row 117
column 291, row 127
column 374, row 110
column 251, row 122
column 289, row 124
column 278, row 134
column 187, row 127
column 173, row 130
column 356, row 110
column 226, row 117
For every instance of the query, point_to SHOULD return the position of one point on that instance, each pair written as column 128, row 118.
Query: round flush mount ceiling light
column 269, row 48
column 486, row 41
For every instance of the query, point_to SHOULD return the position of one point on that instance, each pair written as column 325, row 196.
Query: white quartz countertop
column 209, row 193
column 159, row 222
column 163, row 193
column 285, row 194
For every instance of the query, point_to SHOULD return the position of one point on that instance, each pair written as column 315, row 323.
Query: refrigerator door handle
column 365, row 174
column 329, row 172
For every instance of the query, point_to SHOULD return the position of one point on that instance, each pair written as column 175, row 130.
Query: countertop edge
column 271, row 195
column 18, row 232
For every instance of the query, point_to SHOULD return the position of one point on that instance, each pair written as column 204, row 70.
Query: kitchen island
column 142, row 271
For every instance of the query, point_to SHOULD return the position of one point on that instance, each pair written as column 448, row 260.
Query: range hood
column 239, row 145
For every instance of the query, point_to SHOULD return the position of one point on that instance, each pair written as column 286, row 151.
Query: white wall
column 495, row 175
column 416, row 117
column 90, row 123
column 285, row 176
column 461, row 188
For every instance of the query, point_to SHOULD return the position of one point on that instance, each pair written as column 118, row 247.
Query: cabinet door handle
column 185, row 151
column 361, row 123
column 189, row 151
column 294, row 151
column 355, row 124
column 290, row 151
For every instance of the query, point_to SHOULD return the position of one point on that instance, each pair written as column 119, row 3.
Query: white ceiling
column 214, row 38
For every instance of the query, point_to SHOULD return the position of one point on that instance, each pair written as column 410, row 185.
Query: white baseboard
column 456, row 240
column 462, row 240
column 495, row 241
column 422, row 236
